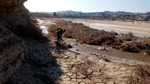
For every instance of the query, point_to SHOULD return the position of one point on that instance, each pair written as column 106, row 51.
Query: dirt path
column 137, row 28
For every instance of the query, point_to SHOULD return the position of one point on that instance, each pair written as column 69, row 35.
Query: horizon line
column 89, row 12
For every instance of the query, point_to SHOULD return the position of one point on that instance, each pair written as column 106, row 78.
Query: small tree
column 55, row 14
column 147, row 18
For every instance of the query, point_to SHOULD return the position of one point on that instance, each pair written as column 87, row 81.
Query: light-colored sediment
column 137, row 28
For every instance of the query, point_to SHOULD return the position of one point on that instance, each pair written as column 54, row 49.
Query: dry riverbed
column 137, row 28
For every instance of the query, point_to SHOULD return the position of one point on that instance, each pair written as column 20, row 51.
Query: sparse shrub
column 130, row 34
column 130, row 47
column 141, row 46
column 127, row 37
column 113, row 33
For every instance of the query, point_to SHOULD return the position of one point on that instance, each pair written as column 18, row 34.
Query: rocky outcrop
column 11, row 53
column 15, row 23
column 14, row 16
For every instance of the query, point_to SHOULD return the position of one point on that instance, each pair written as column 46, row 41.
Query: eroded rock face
column 12, row 5
column 14, row 16
column 11, row 53
column 14, row 20
column 14, row 13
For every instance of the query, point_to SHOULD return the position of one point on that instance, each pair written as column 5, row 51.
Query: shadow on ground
column 39, row 66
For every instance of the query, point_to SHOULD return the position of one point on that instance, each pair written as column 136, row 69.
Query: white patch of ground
column 44, row 25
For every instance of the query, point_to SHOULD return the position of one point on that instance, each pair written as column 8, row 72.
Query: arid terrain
column 51, row 62
column 30, row 52
column 82, row 67
column 136, row 27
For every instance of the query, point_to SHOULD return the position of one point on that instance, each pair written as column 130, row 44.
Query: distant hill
column 70, row 12
column 119, row 15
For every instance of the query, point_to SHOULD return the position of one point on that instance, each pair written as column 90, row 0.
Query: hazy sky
column 88, row 5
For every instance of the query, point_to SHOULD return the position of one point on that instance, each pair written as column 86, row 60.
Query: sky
column 88, row 5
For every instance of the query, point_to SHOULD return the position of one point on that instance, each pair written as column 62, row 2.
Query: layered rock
column 15, row 23
column 11, row 53
column 15, row 17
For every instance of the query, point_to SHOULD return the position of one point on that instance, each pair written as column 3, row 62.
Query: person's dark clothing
column 59, row 34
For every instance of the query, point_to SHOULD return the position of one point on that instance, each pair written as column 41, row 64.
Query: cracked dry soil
column 83, row 68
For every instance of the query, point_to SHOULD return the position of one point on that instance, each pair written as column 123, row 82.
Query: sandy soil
column 137, row 28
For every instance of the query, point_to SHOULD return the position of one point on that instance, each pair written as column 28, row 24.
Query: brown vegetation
column 84, row 34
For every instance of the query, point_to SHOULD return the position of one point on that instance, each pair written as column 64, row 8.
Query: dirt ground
column 137, row 28
column 82, row 68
